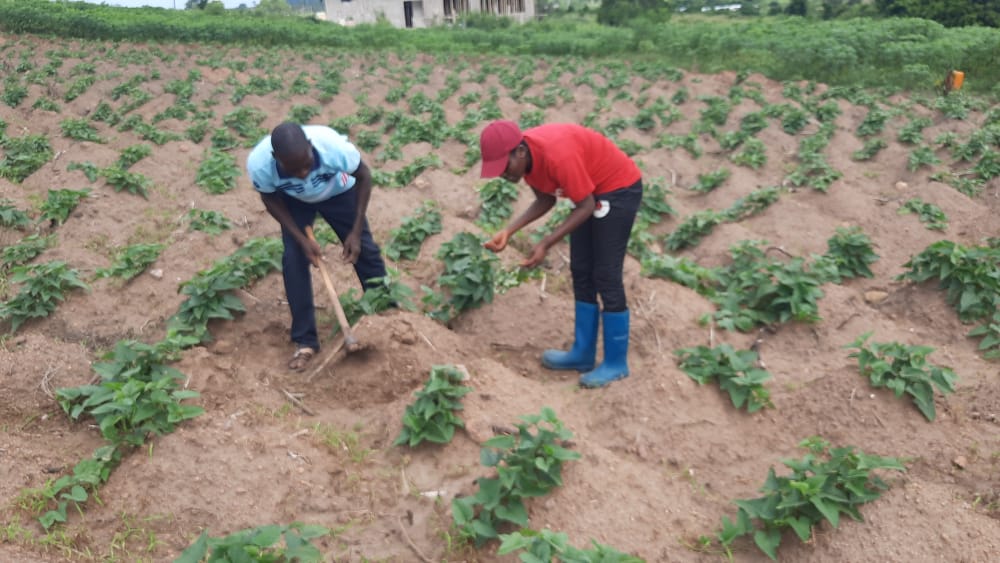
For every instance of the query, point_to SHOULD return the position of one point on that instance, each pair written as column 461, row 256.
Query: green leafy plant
column 468, row 277
column 970, row 276
column 687, row 142
column 681, row 270
column 921, row 156
column 557, row 216
column 211, row 222
column 218, row 172
column 405, row 241
column 245, row 122
column 210, row 292
column 930, row 215
column 133, row 154
column 529, row 464
column 850, row 251
column 25, row 250
column 138, row 394
column 990, row 331
column 753, row 155
column 546, row 545
column 13, row 91
column 59, row 204
column 43, row 286
column 23, row 156
column 380, row 294
column 258, row 544
column 11, row 217
column 735, row 371
column 793, row 120
column 873, row 122
column 75, row 489
column 753, row 203
column 78, row 87
column 432, row 416
column 690, row 232
column 754, row 290
column 903, row 369
column 130, row 261
column 823, row 484
column 123, row 180
column 79, row 130
column 301, row 113
column 497, row 199
column 870, row 149
column 89, row 169
column 711, row 180
column 912, row 132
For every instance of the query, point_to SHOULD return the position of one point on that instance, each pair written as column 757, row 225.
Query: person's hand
column 537, row 255
column 352, row 247
column 498, row 242
column 313, row 251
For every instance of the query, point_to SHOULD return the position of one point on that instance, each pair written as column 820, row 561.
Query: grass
column 338, row 440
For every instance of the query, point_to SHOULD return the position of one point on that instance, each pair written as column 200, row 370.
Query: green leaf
column 802, row 527
column 266, row 536
column 768, row 541
column 76, row 494
column 829, row 512
column 196, row 551
column 514, row 511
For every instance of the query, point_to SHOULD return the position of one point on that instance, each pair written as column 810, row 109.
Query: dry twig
column 427, row 340
column 413, row 546
column 295, row 401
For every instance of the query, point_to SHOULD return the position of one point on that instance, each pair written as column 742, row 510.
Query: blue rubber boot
column 615, row 364
column 584, row 352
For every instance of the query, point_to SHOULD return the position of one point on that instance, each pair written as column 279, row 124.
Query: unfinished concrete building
column 423, row 13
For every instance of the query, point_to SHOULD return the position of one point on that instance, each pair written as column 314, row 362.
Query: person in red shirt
column 605, row 186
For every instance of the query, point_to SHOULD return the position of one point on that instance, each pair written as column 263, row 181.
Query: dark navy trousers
column 597, row 249
column 339, row 212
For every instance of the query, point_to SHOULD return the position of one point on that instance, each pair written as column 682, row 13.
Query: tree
column 749, row 8
column 619, row 12
column 195, row 4
column 797, row 8
column 274, row 8
column 215, row 7
column 950, row 13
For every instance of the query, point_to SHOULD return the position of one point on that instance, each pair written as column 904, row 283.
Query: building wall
column 425, row 12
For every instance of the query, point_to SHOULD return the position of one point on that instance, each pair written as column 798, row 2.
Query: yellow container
column 955, row 80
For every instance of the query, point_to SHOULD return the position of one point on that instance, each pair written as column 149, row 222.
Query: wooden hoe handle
column 349, row 339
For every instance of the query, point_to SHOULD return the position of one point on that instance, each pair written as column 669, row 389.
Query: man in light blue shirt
column 300, row 171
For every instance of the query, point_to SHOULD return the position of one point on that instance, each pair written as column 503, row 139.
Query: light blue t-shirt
column 335, row 159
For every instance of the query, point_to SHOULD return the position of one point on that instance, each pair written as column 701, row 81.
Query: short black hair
column 287, row 139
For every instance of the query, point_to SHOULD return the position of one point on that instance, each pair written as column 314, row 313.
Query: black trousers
column 340, row 212
column 597, row 249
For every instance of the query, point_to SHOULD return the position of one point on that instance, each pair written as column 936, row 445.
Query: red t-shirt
column 571, row 161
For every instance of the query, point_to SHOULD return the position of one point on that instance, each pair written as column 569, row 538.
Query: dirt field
column 662, row 457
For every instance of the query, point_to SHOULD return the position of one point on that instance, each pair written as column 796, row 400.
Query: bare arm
column 277, row 208
column 580, row 213
column 583, row 210
column 542, row 204
column 363, row 187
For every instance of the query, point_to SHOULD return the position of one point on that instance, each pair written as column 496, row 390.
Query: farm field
column 726, row 158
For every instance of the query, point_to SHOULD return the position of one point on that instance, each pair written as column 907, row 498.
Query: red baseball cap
column 495, row 144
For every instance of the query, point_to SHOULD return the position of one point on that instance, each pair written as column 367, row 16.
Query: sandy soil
column 662, row 457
